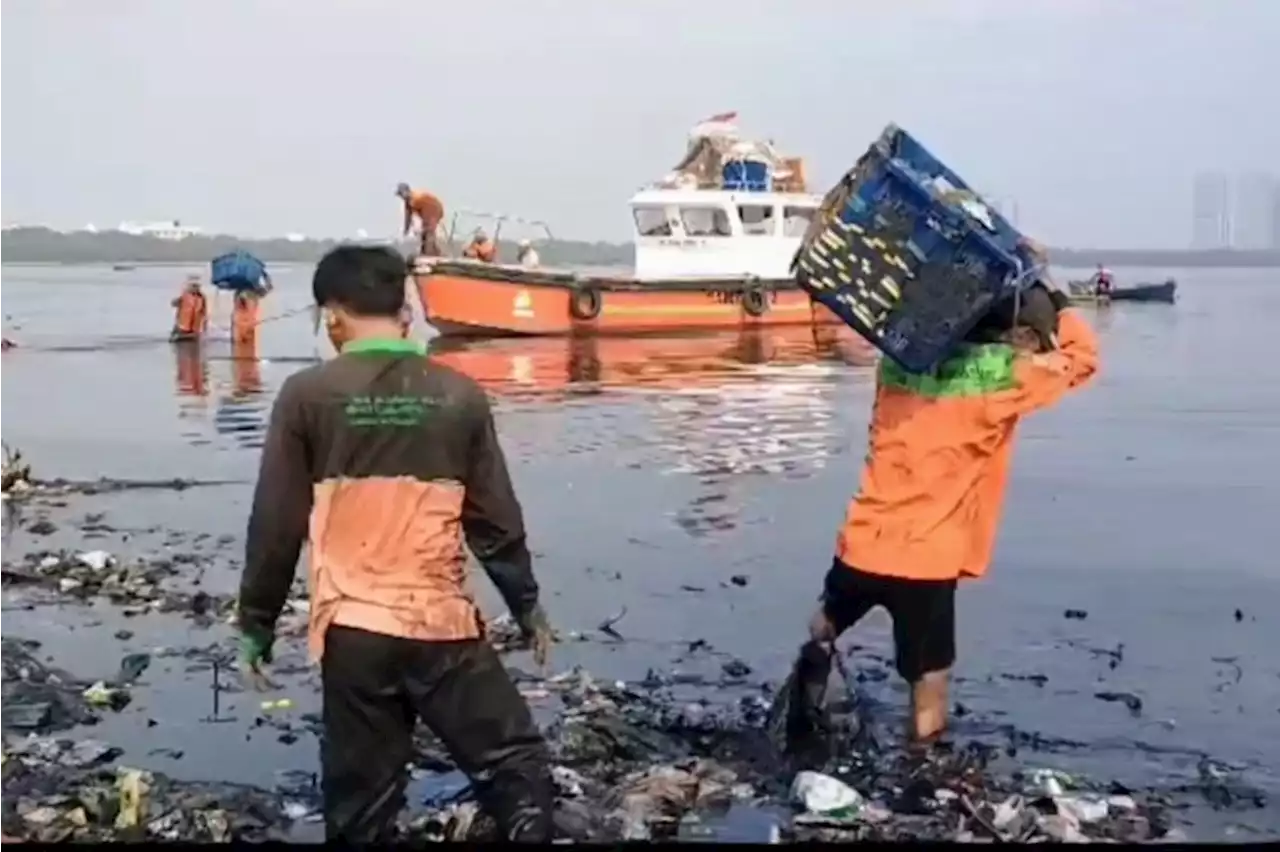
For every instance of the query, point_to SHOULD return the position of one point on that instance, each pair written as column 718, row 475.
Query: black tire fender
column 754, row 301
column 585, row 303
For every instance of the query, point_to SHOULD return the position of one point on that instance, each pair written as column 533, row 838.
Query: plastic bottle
column 822, row 794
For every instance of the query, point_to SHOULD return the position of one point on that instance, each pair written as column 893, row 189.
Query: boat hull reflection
column 591, row 364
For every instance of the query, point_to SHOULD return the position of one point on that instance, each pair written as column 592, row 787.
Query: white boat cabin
column 714, row 233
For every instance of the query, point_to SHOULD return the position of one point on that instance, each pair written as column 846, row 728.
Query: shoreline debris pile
column 16, row 475
column 139, row 586
column 37, row 697
column 669, row 757
column 632, row 761
column 631, row 764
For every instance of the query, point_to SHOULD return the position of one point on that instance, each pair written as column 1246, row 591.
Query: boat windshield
column 652, row 222
column 705, row 222
column 757, row 219
column 795, row 220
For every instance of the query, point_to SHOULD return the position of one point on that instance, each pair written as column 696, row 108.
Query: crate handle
column 1024, row 279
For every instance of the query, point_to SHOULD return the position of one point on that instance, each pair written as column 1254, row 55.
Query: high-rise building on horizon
column 1211, row 211
column 1275, row 217
column 1254, row 211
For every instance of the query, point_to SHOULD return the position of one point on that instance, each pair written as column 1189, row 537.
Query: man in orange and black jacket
column 386, row 463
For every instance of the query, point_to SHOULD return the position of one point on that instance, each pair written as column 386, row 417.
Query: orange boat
column 713, row 241
column 589, row 363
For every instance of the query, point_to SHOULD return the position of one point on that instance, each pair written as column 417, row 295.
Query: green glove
column 255, row 647
column 536, row 631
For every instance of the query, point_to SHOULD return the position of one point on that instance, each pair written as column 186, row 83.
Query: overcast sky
column 273, row 116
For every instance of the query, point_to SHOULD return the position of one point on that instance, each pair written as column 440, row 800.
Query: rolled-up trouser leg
column 464, row 694
column 368, row 725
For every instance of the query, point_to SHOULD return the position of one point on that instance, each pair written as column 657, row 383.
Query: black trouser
column 924, row 634
column 923, row 613
column 375, row 689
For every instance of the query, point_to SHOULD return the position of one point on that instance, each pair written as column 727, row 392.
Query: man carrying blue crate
column 925, row 514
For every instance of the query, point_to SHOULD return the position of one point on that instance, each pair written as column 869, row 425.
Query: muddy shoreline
column 682, row 752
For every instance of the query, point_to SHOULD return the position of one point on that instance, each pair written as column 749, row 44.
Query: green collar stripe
column 976, row 370
column 386, row 346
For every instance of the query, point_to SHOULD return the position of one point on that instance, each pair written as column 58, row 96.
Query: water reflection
column 191, row 385
column 246, row 370
column 242, row 411
column 241, row 397
column 722, row 409
column 558, row 367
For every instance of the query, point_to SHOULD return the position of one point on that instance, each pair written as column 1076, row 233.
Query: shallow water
column 654, row 471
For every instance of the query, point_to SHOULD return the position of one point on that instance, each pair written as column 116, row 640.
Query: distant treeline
column 1170, row 258
column 41, row 245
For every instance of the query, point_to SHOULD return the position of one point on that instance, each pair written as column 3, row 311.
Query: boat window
column 705, row 222
column 757, row 219
column 795, row 220
column 652, row 222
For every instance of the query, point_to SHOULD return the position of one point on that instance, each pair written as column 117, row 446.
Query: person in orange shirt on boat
column 191, row 318
column 926, row 511
column 481, row 248
column 429, row 211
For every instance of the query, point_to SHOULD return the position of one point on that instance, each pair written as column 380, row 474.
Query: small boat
column 1085, row 292
column 123, row 267
column 714, row 243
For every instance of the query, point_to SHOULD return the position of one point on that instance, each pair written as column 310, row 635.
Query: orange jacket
column 939, row 450
column 484, row 250
column 244, row 320
column 193, row 315
column 428, row 208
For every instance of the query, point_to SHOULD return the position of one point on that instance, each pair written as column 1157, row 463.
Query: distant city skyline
column 1239, row 211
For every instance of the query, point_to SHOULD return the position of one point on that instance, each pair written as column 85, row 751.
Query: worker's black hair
column 365, row 280
column 1034, row 308
column 995, row 324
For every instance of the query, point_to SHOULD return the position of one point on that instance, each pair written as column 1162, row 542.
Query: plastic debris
column 101, row 694
column 824, row 795
column 1082, row 810
column 95, row 560
column 133, row 786
column 1052, row 782
column 132, row 667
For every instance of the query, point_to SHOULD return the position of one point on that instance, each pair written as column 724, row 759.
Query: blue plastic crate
column 908, row 256
column 237, row 271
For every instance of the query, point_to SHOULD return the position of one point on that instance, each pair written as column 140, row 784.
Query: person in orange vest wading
column 191, row 315
column 927, row 508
